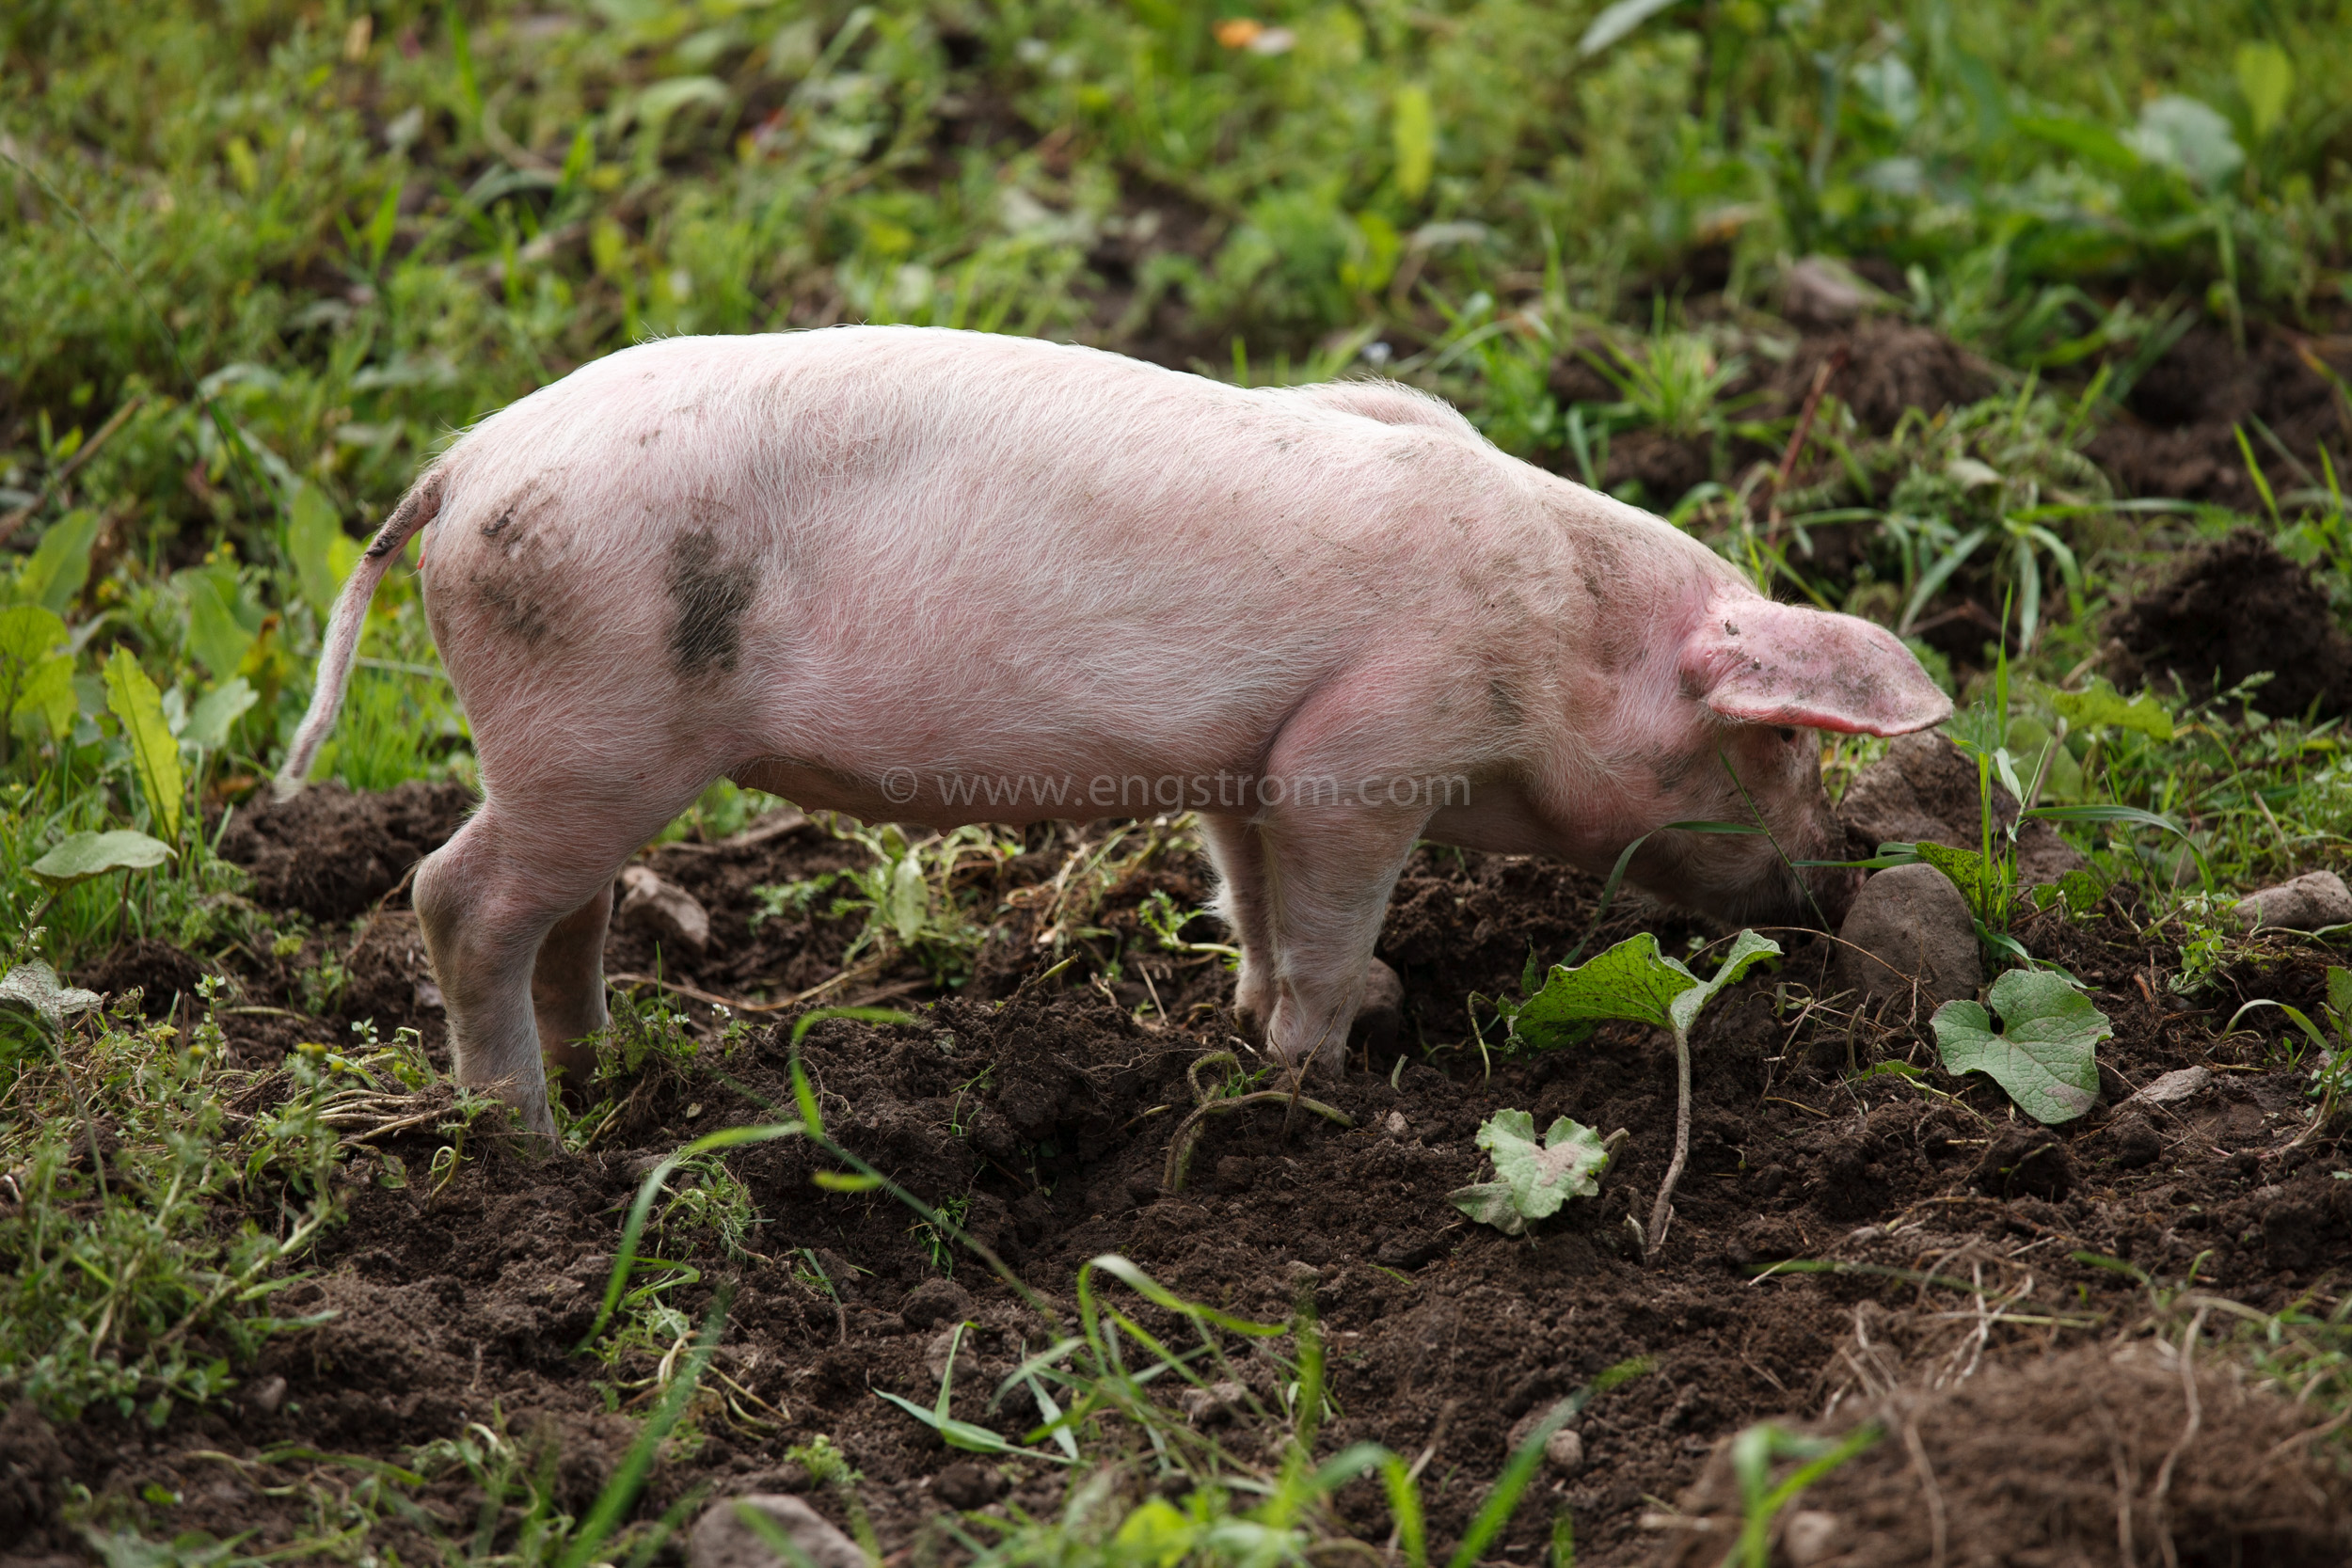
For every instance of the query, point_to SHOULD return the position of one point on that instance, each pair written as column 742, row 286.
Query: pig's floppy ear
column 1762, row 662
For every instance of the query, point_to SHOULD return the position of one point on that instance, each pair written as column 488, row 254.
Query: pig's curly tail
column 416, row 509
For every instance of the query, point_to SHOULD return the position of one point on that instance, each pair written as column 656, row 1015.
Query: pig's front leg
column 1329, row 871
column 1239, row 855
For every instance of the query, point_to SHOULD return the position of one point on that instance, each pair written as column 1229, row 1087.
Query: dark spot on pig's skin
column 711, row 596
column 492, row 529
column 515, row 614
column 1506, row 703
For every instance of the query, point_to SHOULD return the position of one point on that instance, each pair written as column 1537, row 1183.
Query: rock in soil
column 2131, row 1143
column 652, row 902
column 936, row 1301
column 722, row 1539
column 2061, row 1461
column 1909, row 935
column 2314, row 899
column 2236, row 610
column 966, row 1486
column 1563, row 1450
column 1925, row 788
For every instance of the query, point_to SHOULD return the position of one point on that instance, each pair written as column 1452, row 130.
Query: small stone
column 1214, row 1406
column 1909, row 924
column 267, row 1395
column 966, row 1486
column 1381, row 1012
column 1811, row 1536
column 1395, row 1126
column 1563, row 1450
column 652, row 902
column 2133, row 1143
column 2314, row 899
column 939, row 1302
column 1819, row 292
column 935, row 1354
column 2174, row 1086
column 722, row 1539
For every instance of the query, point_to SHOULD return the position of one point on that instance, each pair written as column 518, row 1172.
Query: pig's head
column 1753, row 683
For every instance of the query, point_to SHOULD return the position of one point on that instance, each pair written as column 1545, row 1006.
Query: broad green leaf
column 1615, row 21
column 215, row 636
column 154, row 754
column 78, row 856
column 209, row 722
column 1155, row 1535
column 2083, row 138
column 2045, row 1055
column 1533, row 1180
column 2339, row 991
column 311, row 529
column 36, row 670
column 2103, row 707
column 37, row 987
column 2181, row 132
column 53, row 578
column 1414, row 127
column 908, row 899
column 1631, row 980
column 1746, row 949
column 2267, row 77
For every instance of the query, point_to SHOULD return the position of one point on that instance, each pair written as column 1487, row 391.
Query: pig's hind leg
column 514, row 909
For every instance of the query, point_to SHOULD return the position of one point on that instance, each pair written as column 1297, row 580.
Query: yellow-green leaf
column 36, row 671
column 154, row 754
column 1414, row 125
column 312, row 531
column 53, row 578
column 2267, row 76
column 214, row 635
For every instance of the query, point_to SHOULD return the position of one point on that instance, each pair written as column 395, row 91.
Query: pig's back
column 936, row 519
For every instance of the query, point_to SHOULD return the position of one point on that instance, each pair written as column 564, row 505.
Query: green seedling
column 35, row 672
column 154, row 750
column 971, row 1438
column 1636, row 982
column 2331, row 1070
column 1531, row 1180
column 2045, row 1054
column 1755, row 1452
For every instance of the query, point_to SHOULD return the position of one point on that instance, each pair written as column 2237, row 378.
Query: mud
column 1043, row 1111
column 2235, row 610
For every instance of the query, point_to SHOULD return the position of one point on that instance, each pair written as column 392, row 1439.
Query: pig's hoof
column 1381, row 1014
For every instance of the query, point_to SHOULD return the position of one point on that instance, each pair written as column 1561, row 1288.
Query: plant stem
column 1662, row 1214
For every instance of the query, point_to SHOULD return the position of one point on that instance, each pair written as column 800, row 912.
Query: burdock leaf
column 1533, row 1180
column 1632, row 980
column 36, row 985
column 2045, row 1055
column 1745, row 951
column 78, row 856
column 2103, row 707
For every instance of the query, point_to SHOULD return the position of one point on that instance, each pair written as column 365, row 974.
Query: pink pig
column 937, row 577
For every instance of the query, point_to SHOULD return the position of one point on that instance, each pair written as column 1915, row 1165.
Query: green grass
column 258, row 262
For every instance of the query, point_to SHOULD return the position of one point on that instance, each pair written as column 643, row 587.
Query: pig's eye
column 1784, row 733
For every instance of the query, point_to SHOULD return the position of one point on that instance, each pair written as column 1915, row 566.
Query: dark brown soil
column 2089, row 1456
column 1046, row 1110
column 2235, row 610
column 2181, row 438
